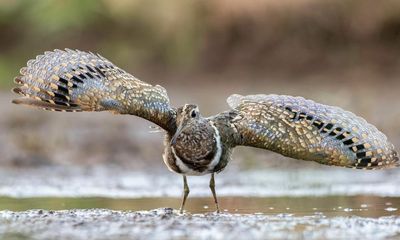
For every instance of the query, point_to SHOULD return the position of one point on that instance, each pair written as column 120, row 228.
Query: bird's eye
column 193, row 114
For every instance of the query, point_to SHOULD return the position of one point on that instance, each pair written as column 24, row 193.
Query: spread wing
column 79, row 81
column 302, row 129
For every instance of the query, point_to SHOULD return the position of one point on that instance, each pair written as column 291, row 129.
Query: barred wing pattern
column 302, row 129
column 79, row 81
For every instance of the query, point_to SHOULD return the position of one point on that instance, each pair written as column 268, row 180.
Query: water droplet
column 390, row 209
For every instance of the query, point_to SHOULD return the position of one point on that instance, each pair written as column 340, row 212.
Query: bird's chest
column 195, row 153
column 196, row 146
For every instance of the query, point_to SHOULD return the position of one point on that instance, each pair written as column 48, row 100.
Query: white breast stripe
column 217, row 157
column 165, row 158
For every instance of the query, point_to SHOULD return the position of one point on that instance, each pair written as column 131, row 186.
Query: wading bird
column 74, row 81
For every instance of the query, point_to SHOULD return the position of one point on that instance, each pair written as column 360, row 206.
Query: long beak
column 177, row 132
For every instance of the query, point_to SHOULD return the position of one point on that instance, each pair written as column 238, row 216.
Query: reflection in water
column 364, row 206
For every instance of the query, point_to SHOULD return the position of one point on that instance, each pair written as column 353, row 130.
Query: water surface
column 363, row 206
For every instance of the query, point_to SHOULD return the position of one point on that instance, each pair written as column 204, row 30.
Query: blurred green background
column 214, row 36
column 338, row 52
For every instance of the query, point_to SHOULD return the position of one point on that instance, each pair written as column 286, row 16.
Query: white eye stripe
column 184, row 108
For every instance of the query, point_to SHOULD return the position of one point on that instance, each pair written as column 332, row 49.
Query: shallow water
column 115, row 203
column 363, row 206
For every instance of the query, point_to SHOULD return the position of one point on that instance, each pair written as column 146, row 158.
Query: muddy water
column 332, row 217
column 363, row 206
column 115, row 203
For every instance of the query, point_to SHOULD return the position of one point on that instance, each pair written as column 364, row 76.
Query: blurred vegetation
column 199, row 36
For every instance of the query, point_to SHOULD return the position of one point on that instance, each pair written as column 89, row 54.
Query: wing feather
column 74, row 80
column 303, row 129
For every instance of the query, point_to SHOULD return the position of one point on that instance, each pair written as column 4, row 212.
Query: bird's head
column 186, row 115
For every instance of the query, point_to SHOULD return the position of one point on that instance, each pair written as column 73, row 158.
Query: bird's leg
column 212, row 187
column 185, row 193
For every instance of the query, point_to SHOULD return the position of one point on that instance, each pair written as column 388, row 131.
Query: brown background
column 338, row 52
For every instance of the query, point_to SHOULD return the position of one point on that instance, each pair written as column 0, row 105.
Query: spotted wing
column 79, row 81
column 302, row 129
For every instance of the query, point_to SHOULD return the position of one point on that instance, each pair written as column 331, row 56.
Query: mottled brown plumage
column 79, row 81
column 292, row 126
column 303, row 129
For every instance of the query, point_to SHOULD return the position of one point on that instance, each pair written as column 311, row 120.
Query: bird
column 75, row 81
